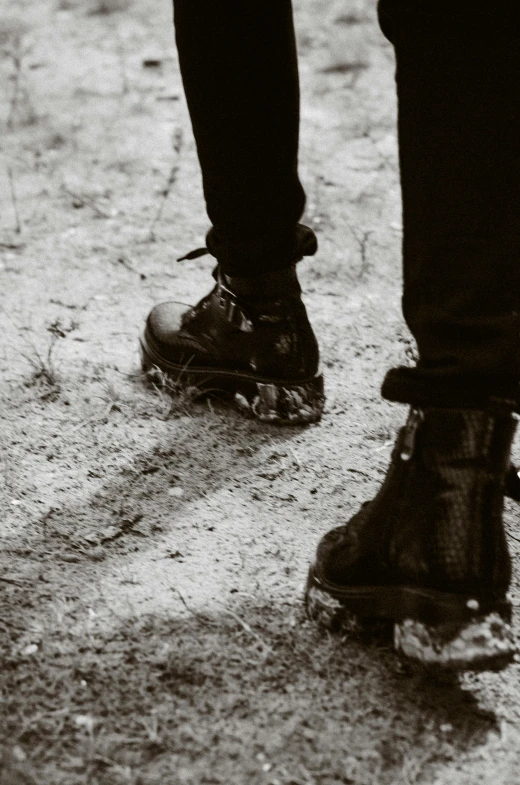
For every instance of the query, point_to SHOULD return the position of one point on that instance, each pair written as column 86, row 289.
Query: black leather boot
column 429, row 553
column 249, row 338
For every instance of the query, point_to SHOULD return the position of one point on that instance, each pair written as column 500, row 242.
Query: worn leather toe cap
column 165, row 320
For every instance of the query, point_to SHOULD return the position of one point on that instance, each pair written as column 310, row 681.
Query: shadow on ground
column 197, row 454
column 251, row 694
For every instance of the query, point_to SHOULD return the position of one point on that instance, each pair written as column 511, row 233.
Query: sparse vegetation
column 45, row 377
column 176, row 396
column 13, row 32
column 194, row 699
column 155, row 543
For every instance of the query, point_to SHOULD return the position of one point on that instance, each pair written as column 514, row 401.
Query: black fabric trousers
column 458, row 87
column 240, row 74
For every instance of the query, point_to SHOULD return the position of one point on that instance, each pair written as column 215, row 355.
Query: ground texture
column 154, row 551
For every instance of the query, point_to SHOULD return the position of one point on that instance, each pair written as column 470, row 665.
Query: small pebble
column 176, row 492
column 85, row 721
column 19, row 754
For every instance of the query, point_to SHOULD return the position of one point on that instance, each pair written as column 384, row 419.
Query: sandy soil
column 154, row 551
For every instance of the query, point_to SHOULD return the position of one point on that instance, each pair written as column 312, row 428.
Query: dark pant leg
column 458, row 85
column 240, row 74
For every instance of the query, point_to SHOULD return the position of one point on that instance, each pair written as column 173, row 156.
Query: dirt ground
column 154, row 550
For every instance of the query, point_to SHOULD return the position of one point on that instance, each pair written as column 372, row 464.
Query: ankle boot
column 429, row 553
column 249, row 339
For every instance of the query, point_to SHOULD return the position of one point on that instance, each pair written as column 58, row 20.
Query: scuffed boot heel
column 484, row 643
column 285, row 403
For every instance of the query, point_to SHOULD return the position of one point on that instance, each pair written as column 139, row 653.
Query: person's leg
column 458, row 70
column 250, row 337
column 429, row 552
column 240, row 75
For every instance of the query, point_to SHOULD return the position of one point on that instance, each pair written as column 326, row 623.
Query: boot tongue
column 275, row 285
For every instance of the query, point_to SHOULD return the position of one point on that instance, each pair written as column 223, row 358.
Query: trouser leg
column 458, row 85
column 240, row 74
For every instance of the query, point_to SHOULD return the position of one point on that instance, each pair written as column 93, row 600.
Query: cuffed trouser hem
column 262, row 254
column 418, row 387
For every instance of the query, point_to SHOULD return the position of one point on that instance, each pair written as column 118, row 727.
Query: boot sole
column 282, row 402
column 434, row 629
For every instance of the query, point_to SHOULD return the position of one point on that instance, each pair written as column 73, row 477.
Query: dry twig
column 87, row 201
column 172, row 179
column 18, row 225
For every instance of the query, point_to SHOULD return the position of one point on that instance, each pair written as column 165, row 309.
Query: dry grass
column 44, row 376
column 178, row 397
column 253, row 694
column 113, row 494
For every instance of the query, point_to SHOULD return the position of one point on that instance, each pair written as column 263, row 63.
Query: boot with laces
column 249, row 339
column 429, row 552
